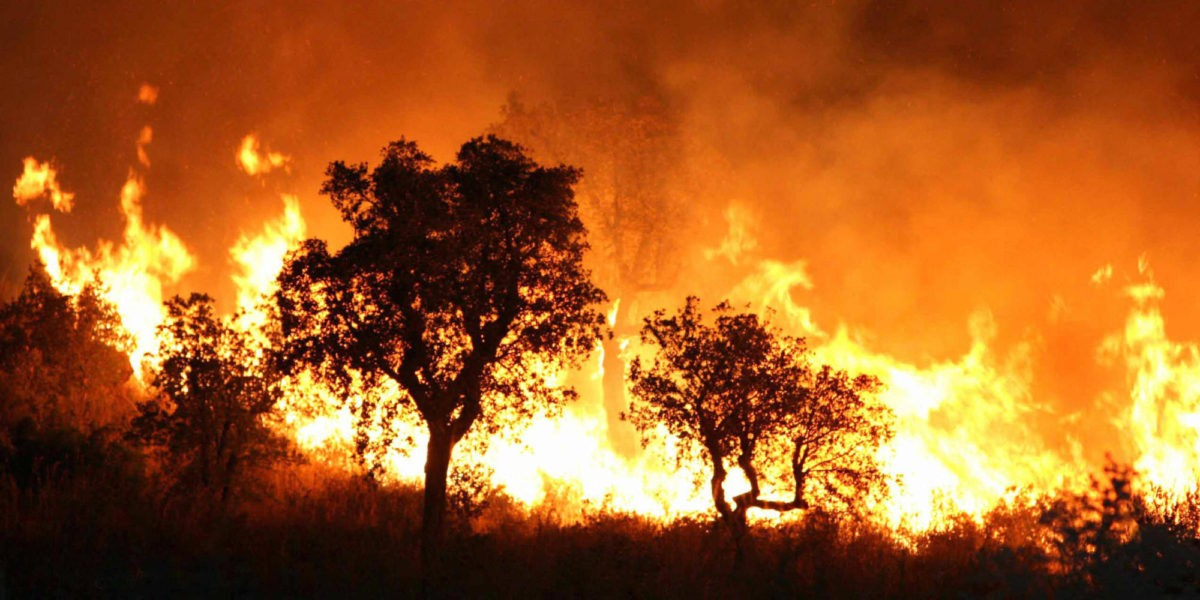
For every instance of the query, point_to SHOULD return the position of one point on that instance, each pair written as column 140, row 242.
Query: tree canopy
column 736, row 391
column 462, row 284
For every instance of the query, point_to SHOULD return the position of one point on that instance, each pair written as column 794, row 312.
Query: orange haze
column 993, row 208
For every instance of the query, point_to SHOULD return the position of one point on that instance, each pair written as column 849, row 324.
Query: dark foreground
column 107, row 533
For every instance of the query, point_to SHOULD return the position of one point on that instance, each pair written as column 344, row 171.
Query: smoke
column 926, row 161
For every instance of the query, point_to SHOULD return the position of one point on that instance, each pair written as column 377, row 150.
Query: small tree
column 738, row 392
column 64, row 378
column 216, row 390
column 459, row 283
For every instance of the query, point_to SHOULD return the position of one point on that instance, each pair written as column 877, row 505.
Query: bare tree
column 633, row 196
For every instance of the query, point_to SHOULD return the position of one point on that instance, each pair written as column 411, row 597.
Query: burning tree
column 216, row 390
column 738, row 392
column 462, row 286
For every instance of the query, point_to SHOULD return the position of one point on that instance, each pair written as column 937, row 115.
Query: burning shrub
column 470, row 491
column 63, row 358
column 1114, row 541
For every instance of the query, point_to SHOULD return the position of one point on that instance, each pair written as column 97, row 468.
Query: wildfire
column 1163, row 414
column 259, row 258
column 965, row 437
column 135, row 271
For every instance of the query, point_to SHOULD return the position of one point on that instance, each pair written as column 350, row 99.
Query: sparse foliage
column 830, row 437
column 470, row 491
column 461, row 285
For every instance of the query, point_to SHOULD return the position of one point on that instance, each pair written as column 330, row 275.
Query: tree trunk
column 437, row 467
column 718, row 491
column 733, row 519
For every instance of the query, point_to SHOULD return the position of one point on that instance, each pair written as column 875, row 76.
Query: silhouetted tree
column 460, row 283
column 736, row 391
column 217, row 389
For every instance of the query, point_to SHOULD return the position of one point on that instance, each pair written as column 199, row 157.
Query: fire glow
column 966, row 433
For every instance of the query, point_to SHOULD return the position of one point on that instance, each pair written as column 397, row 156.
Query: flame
column 259, row 258
column 1163, row 416
column 966, row 433
column 256, row 162
column 739, row 241
column 40, row 179
column 964, row 439
column 134, row 271
column 144, row 138
column 147, row 94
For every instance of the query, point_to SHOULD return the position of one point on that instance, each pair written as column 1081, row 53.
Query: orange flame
column 147, row 94
column 965, row 438
column 254, row 161
column 135, row 271
column 40, row 179
column 1163, row 416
